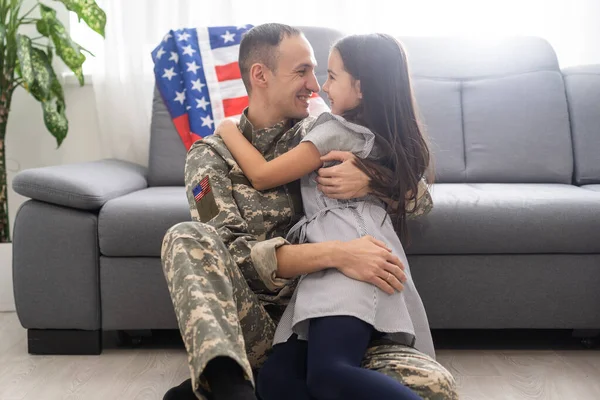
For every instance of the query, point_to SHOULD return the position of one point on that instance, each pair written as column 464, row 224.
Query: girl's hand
column 226, row 126
column 343, row 181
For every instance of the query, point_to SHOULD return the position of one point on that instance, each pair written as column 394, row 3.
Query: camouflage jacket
column 251, row 223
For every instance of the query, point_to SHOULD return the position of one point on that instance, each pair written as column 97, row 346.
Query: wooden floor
column 146, row 373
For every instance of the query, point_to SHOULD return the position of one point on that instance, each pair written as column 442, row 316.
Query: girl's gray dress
column 329, row 292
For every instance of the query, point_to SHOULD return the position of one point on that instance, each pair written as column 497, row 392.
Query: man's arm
column 366, row 259
column 218, row 208
column 347, row 181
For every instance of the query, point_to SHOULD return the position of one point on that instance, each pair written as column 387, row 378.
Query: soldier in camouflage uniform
column 223, row 269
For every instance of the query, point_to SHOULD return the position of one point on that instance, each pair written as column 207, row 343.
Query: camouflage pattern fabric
column 218, row 313
column 424, row 202
column 210, row 265
column 425, row 376
column 220, row 271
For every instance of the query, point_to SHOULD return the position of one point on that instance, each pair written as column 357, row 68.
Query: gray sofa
column 513, row 240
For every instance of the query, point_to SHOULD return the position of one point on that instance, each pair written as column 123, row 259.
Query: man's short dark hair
column 259, row 45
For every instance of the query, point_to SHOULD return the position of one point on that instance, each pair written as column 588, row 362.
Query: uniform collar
column 263, row 139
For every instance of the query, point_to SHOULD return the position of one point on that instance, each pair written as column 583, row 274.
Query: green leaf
column 55, row 119
column 18, row 69
column 41, row 81
column 43, row 28
column 35, row 69
column 57, row 91
column 79, row 74
column 89, row 11
column 42, row 85
column 2, row 32
column 66, row 48
column 49, row 53
column 25, row 62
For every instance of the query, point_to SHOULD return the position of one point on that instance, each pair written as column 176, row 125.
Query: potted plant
column 27, row 62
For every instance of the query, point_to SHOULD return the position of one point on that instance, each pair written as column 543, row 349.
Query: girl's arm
column 264, row 174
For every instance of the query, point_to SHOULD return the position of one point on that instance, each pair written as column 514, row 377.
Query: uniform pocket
column 249, row 203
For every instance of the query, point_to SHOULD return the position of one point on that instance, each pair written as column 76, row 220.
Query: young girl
column 331, row 319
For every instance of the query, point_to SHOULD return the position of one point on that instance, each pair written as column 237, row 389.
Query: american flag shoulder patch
column 201, row 188
column 205, row 200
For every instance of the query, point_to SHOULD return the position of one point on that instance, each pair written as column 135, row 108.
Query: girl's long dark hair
column 388, row 108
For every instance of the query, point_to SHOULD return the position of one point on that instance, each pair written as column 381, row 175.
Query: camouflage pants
column 219, row 315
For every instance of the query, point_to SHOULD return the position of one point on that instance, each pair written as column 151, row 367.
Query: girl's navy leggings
column 327, row 367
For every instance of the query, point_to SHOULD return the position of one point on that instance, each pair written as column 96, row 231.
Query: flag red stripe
column 234, row 106
column 182, row 125
column 228, row 72
column 194, row 137
column 203, row 193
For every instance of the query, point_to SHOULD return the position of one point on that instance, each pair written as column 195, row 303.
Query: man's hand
column 343, row 181
column 370, row 260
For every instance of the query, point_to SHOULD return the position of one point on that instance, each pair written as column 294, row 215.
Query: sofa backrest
column 167, row 152
column 495, row 110
column 583, row 92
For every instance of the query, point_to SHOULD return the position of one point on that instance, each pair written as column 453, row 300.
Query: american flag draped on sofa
column 198, row 76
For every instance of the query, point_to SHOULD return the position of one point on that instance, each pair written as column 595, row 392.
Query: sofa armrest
column 84, row 186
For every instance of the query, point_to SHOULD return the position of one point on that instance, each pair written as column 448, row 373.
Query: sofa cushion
column 592, row 187
column 583, row 92
column 440, row 110
column 135, row 224
column 495, row 111
column 508, row 219
column 517, row 129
